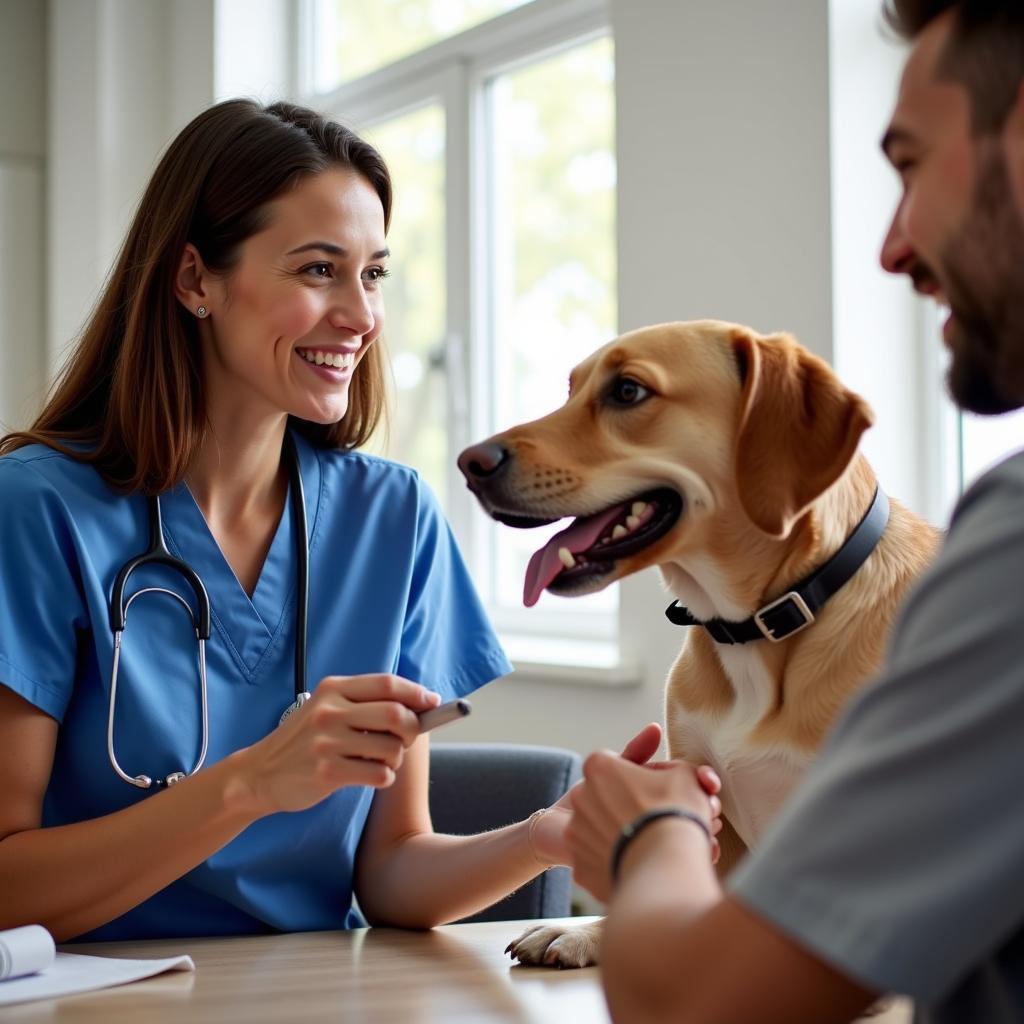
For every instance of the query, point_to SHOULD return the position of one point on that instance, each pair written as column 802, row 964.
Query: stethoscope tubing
column 158, row 553
column 144, row 781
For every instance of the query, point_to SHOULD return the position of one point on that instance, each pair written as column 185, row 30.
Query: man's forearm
column 667, row 883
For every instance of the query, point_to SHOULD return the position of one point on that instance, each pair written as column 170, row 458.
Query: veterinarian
column 896, row 866
column 208, row 419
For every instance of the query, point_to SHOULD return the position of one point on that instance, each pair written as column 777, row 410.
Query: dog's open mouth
column 573, row 560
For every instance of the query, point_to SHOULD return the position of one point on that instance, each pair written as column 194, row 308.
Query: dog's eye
column 626, row 391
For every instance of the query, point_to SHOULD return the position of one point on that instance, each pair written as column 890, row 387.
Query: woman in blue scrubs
column 242, row 312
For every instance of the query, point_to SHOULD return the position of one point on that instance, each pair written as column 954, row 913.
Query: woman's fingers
column 384, row 717
column 356, row 772
column 370, row 746
column 354, row 731
column 381, row 687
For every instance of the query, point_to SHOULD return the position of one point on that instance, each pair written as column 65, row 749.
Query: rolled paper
column 26, row 950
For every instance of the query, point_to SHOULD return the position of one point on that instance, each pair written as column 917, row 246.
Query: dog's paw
column 557, row 945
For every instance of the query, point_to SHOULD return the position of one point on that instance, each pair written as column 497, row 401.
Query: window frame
column 456, row 73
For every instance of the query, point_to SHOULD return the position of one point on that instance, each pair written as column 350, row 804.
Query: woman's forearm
column 73, row 878
column 428, row 879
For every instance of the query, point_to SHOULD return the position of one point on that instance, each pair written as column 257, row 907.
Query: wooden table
column 452, row 975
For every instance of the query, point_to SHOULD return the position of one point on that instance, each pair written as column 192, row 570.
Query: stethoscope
column 158, row 554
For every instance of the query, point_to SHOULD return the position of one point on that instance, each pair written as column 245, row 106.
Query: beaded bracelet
column 635, row 827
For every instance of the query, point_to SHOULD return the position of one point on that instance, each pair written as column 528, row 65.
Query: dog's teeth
column 566, row 557
column 639, row 508
column 619, row 531
column 632, row 522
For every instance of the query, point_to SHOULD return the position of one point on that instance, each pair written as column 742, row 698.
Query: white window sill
column 562, row 660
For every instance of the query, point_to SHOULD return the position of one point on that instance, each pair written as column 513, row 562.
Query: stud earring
column 201, row 311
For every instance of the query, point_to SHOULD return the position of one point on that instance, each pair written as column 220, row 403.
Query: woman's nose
column 352, row 311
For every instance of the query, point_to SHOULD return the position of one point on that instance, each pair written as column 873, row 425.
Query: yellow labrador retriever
column 729, row 460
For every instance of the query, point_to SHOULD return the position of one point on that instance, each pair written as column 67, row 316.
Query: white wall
column 22, row 177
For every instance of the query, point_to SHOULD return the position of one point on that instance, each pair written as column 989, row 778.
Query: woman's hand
column 353, row 731
column 547, row 837
column 615, row 792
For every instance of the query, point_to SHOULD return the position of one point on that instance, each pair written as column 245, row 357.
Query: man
column 898, row 865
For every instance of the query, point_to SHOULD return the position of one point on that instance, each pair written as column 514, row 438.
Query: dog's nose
column 482, row 461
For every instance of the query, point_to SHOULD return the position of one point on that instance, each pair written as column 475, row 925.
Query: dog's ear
column 798, row 429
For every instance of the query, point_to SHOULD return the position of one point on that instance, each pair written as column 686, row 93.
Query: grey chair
column 475, row 787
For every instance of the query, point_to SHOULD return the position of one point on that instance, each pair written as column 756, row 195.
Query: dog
column 730, row 461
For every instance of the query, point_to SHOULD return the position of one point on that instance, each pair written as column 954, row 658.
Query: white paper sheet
column 73, row 972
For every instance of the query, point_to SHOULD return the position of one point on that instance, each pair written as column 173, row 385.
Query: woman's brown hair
column 129, row 399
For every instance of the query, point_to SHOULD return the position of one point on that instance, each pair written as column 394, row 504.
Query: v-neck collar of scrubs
column 250, row 626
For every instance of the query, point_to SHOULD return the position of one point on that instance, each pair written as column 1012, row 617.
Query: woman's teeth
column 339, row 360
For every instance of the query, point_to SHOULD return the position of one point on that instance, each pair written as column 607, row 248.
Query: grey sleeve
column 900, row 857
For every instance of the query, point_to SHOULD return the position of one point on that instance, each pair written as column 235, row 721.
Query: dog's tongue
column 545, row 564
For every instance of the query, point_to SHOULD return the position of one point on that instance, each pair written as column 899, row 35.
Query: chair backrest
column 475, row 787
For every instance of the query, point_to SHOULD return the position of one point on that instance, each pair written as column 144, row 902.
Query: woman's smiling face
column 292, row 319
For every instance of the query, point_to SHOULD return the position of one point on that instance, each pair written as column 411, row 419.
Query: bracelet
column 531, row 824
column 635, row 827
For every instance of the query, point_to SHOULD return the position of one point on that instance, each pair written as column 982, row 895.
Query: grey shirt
column 900, row 858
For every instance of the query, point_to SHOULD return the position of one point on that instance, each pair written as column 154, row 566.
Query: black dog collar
column 795, row 610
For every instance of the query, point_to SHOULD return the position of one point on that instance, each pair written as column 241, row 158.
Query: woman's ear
column 798, row 429
column 191, row 283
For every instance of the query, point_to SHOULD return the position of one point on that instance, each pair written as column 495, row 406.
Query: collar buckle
column 783, row 617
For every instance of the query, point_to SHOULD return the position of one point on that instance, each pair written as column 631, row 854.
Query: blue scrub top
column 388, row 592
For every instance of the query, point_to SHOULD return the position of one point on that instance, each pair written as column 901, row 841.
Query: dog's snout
column 483, row 461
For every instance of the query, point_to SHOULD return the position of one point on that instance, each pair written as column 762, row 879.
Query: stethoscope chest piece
column 300, row 699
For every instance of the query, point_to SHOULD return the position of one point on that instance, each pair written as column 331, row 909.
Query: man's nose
column 897, row 255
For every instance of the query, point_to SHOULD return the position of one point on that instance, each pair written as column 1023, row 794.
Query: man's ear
column 798, row 429
column 191, row 282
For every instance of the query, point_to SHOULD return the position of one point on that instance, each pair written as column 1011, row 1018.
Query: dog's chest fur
column 756, row 778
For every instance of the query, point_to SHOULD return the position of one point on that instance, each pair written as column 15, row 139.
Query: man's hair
column 984, row 52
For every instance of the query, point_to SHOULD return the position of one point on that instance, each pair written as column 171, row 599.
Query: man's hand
column 615, row 793
column 548, row 838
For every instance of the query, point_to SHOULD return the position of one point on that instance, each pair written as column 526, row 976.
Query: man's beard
column 983, row 273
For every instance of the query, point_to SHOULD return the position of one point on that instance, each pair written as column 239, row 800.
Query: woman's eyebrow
column 335, row 250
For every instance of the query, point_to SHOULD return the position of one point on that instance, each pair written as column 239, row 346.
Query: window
column 496, row 118
column 967, row 444
column 355, row 37
column 986, row 440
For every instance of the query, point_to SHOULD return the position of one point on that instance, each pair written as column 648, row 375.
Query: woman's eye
column 322, row 270
column 375, row 273
column 626, row 391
